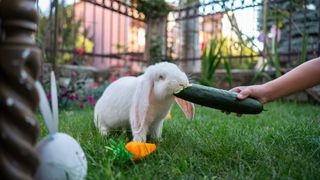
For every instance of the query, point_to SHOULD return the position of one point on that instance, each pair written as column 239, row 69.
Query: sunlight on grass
column 283, row 142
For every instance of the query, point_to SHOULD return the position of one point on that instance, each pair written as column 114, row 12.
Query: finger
column 236, row 89
column 244, row 94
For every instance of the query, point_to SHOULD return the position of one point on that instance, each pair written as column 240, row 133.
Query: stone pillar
column 155, row 40
column 19, row 68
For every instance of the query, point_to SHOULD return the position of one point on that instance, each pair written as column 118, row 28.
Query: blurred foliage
column 219, row 54
column 122, row 48
column 156, row 49
column 70, row 36
column 304, row 47
column 153, row 9
column 211, row 58
column 279, row 12
column 77, row 90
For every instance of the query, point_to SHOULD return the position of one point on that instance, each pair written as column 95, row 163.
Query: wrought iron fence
column 106, row 33
column 295, row 23
column 100, row 33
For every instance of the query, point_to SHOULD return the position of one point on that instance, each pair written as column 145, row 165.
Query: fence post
column 265, row 51
column 19, row 68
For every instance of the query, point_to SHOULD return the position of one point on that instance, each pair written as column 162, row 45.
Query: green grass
column 281, row 143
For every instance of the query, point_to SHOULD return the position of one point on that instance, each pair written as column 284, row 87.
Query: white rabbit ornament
column 141, row 103
column 61, row 156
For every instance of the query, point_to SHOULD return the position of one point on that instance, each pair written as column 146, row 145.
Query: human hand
column 254, row 91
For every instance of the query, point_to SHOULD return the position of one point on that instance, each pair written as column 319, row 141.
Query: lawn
column 281, row 143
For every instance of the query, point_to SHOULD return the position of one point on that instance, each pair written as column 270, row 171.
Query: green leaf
column 259, row 73
column 119, row 151
column 304, row 48
column 228, row 71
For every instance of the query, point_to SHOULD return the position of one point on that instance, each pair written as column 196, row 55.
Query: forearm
column 302, row 77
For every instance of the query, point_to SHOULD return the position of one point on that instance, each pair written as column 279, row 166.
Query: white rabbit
column 142, row 102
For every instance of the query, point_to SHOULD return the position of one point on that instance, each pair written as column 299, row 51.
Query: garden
column 280, row 143
column 54, row 88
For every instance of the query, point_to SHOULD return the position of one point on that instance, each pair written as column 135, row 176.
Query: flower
column 90, row 98
column 81, row 106
column 275, row 32
column 84, row 99
column 49, row 96
column 94, row 85
column 203, row 45
column 91, row 101
column 92, row 104
column 113, row 78
column 118, row 65
column 261, row 37
column 80, row 51
column 169, row 116
column 73, row 97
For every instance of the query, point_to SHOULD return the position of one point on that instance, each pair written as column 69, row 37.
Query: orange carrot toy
column 140, row 149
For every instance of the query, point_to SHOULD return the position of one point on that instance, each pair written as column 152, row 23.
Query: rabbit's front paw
column 104, row 131
column 156, row 130
column 139, row 138
column 156, row 139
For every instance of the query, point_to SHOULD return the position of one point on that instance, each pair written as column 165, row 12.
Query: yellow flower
column 169, row 116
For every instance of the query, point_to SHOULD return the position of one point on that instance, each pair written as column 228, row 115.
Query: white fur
column 140, row 102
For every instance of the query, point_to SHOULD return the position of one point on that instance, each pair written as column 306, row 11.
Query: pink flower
column 73, row 97
column 80, row 51
column 81, row 106
column 203, row 45
column 113, row 78
column 92, row 104
column 118, row 65
column 94, row 85
column 261, row 37
column 49, row 97
column 90, row 99
column 275, row 32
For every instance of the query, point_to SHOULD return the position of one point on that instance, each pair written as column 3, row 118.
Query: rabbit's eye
column 161, row 77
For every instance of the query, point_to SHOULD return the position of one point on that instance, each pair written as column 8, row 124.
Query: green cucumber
column 219, row 99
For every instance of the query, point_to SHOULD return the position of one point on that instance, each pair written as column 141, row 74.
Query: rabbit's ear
column 45, row 108
column 141, row 102
column 187, row 107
